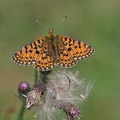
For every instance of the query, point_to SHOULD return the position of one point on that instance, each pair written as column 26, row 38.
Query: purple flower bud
column 72, row 111
column 23, row 88
column 40, row 87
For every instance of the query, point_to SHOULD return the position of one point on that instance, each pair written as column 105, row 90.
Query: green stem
column 22, row 112
column 36, row 77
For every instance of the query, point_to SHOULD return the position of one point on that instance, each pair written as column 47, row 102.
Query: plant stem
column 36, row 77
column 22, row 112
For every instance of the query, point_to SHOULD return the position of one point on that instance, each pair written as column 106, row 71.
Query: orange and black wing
column 45, row 60
column 71, row 50
column 28, row 54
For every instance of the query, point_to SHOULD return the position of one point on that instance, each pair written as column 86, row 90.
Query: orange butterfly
column 53, row 50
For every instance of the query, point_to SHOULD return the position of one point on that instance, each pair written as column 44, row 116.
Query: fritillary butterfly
column 53, row 50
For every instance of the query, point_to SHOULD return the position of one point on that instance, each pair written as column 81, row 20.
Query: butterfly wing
column 72, row 50
column 38, row 53
column 64, row 58
column 28, row 54
column 45, row 60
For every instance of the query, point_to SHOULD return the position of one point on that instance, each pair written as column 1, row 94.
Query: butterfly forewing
column 76, row 49
column 28, row 54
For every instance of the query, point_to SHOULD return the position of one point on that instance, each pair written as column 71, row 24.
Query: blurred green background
column 96, row 22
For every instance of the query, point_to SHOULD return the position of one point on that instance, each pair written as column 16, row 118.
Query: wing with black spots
column 28, row 54
column 45, row 60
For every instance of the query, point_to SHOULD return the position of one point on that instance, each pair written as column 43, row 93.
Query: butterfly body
column 49, row 51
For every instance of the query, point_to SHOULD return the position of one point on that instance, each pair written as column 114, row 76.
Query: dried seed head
column 63, row 92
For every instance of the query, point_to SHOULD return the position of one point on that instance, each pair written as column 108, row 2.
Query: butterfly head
column 51, row 33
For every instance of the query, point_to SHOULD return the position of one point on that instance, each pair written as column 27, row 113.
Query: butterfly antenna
column 60, row 22
column 40, row 23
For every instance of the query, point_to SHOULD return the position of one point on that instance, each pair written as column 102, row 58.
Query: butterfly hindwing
column 45, row 60
column 64, row 57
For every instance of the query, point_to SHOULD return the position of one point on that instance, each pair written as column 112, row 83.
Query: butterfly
column 52, row 50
